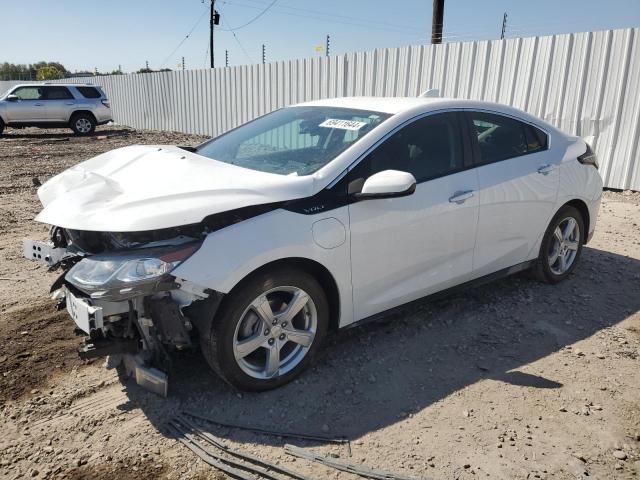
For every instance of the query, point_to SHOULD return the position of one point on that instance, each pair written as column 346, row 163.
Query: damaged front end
column 119, row 291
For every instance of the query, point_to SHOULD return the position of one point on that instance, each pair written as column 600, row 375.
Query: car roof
column 56, row 84
column 391, row 105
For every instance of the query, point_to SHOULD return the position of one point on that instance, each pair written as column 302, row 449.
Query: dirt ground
column 511, row 380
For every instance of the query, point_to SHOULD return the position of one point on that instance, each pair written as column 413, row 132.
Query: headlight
column 127, row 274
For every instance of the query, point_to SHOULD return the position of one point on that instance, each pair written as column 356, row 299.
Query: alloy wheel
column 83, row 125
column 275, row 332
column 564, row 246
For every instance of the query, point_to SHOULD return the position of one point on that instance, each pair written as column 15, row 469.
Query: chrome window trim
column 409, row 121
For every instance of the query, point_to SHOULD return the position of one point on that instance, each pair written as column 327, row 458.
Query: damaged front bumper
column 135, row 321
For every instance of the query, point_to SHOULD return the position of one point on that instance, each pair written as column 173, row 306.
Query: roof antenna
column 431, row 93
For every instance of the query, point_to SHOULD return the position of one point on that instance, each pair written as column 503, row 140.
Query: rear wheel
column 268, row 329
column 82, row 124
column 561, row 246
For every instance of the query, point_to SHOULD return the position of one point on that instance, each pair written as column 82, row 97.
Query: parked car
column 314, row 217
column 59, row 105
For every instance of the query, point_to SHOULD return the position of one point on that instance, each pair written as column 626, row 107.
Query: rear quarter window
column 536, row 139
column 89, row 92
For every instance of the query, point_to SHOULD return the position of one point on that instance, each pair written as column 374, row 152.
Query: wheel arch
column 582, row 207
column 319, row 272
column 78, row 112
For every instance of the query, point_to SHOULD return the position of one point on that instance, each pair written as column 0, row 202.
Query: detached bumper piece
column 43, row 252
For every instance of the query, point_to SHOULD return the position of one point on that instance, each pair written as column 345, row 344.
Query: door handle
column 546, row 169
column 461, row 197
column 68, row 103
column 38, row 104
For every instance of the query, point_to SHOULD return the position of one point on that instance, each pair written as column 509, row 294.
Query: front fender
column 229, row 255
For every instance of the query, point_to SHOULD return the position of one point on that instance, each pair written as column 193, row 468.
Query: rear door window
column 57, row 93
column 500, row 138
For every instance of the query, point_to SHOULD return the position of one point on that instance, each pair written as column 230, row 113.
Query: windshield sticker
column 342, row 124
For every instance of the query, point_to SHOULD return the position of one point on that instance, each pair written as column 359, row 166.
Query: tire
column 549, row 267
column 1, row 126
column 82, row 123
column 229, row 339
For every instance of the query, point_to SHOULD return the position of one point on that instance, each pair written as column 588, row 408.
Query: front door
column 407, row 247
column 29, row 107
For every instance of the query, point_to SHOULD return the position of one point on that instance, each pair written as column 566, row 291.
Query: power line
column 255, row 18
column 238, row 41
column 184, row 39
column 332, row 16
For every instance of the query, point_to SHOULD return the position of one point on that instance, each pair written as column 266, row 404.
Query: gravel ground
column 512, row 380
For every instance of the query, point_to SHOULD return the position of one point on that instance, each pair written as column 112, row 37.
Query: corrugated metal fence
column 587, row 84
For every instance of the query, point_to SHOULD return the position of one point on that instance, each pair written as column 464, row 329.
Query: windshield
column 294, row 140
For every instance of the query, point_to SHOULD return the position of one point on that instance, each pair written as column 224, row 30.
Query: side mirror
column 387, row 184
column 12, row 98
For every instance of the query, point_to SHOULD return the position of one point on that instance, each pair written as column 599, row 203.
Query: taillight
column 106, row 103
column 588, row 158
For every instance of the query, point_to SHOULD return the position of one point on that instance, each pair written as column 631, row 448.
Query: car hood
column 140, row 188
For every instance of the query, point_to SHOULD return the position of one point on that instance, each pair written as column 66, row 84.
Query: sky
column 127, row 33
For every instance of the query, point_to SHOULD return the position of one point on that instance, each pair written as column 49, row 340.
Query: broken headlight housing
column 119, row 276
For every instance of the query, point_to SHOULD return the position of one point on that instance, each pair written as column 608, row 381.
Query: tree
column 10, row 71
column 148, row 70
column 48, row 72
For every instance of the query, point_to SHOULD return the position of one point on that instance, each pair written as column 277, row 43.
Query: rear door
column 407, row 247
column 29, row 107
column 518, row 185
column 59, row 103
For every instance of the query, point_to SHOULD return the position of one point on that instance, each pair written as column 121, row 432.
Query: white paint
column 151, row 187
column 407, row 247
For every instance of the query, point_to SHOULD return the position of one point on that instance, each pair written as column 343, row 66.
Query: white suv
column 45, row 105
column 315, row 217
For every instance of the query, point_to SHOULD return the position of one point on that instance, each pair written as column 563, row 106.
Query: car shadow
column 374, row 375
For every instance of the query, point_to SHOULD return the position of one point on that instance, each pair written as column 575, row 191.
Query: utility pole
column 504, row 25
column 226, row 58
column 183, row 64
column 146, row 64
column 437, row 21
column 264, row 54
column 214, row 19
column 327, row 48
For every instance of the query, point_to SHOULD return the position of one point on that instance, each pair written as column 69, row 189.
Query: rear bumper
column 102, row 114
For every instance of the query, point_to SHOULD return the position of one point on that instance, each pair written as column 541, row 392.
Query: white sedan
column 312, row 218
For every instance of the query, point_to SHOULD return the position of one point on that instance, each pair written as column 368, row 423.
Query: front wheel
column 561, row 246
column 268, row 329
column 1, row 126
